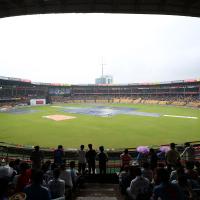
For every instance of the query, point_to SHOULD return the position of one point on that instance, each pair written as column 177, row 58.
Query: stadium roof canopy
column 167, row 7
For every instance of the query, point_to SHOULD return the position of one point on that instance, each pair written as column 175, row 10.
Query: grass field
column 113, row 132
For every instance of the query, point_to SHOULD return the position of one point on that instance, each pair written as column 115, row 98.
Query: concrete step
column 99, row 191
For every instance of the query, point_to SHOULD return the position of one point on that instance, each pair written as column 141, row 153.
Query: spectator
column 36, row 158
column 166, row 190
column 81, row 160
column 23, row 179
column 4, row 188
column 147, row 172
column 188, row 153
column 8, row 171
column 59, row 155
column 123, row 177
column 47, row 172
column 90, row 156
column 139, row 187
column 185, row 186
column 56, row 185
column 16, row 166
column 125, row 159
column 103, row 158
column 153, row 159
column 190, row 172
column 65, row 175
column 172, row 157
column 74, row 174
column 180, row 171
column 36, row 190
column 197, row 165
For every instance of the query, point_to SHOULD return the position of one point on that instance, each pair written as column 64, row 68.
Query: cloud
column 69, row 47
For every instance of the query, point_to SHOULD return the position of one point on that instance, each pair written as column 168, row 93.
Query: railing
column 8, row 153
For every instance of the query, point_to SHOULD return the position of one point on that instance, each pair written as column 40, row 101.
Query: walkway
column 99, row 191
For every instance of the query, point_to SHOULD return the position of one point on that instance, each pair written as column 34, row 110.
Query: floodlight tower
column 102, row 65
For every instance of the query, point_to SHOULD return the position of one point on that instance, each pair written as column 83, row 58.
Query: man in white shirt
column 66, row 176
column 81, row 160
column 56, row 185
column 139, row 186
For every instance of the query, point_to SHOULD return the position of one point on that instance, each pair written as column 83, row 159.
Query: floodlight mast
column 102, row 68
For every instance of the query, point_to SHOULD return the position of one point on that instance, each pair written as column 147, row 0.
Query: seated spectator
column 190, row 172
column 147, row 172
column 46, row 168
column 103, row 158
column 23, row 179
column 197, row 165
column 8, row 171
column 179, row 171
column 125, row 159
column 166, row 190
column 16, row 166
column 66, row 176
column 74, row 174
column 123, row 177
column 139, row 187
column 56, row 185
column 4, row 188
column 185, row 186
column 36, row 190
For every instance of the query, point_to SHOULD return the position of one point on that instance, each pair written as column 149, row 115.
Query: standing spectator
column 125, row 159
column 56, row 185
column 103, row 158
column 59, row 155
column 188, row 153
column 90, row 156
column 36, row 158
column 153, row 159
column 81, row 160
column 172, row 157
column 36, row 190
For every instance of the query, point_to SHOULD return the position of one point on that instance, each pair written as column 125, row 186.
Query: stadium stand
column 15, row 91
column 17, row 177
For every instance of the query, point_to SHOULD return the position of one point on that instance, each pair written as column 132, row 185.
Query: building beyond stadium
column 182, row 92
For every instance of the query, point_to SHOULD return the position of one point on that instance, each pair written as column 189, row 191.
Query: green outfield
column 113, row 132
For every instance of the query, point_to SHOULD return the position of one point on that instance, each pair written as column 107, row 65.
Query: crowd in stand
column 142, row 178
column 171, row 180
column 159, row 97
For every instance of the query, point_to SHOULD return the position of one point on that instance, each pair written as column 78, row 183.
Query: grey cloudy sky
column 68, row 48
